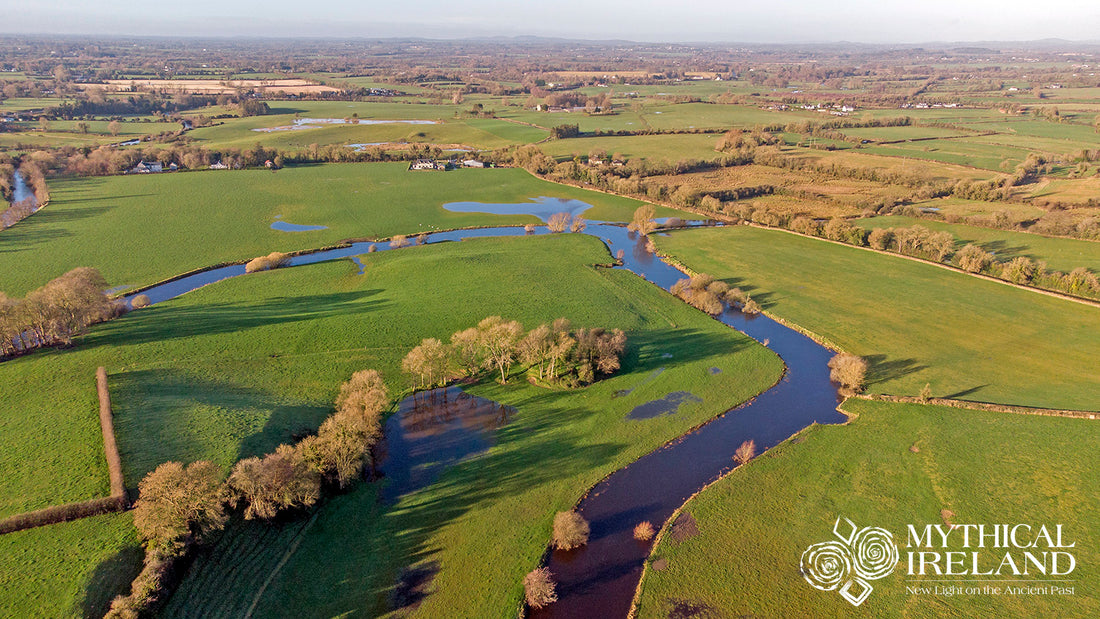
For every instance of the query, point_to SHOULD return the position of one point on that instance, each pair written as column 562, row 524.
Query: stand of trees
column 553, row 354
column 55, row 313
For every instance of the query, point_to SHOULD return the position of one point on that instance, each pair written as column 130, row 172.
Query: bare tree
column 428, row 362
column 570, row 530
column 643, row 223
column 498, row 339
column 467, row 351
column 745, row 452
column 850, row 371
column 539, row 588
column 177, row 503
column 534, row 349
column 578, row 225
column 398, row 241
column 558, row 222
column 279, row 481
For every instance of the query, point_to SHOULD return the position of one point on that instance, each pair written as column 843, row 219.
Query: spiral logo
column 826, row 565
column 861, row 555
column 874, row 553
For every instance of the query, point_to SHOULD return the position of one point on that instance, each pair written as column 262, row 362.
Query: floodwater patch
column 284, row 226
column 359, row 262
column 668, row 405
column 715, row 371
column 542, row 207
column 317, row 123
column 433, row 431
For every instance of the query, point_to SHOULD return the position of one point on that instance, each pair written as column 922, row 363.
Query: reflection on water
column 434, row 430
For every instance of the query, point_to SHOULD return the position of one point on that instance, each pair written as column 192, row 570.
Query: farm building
column 146, row 167
column 425, row 164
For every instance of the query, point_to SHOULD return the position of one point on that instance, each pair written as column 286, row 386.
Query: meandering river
column 599, row 579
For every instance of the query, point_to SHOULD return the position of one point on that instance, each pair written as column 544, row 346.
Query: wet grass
column 235, row 368
column 1059, row 254
column 142, row 228
column 985, row 467
column 73, row 569
column 915, row 323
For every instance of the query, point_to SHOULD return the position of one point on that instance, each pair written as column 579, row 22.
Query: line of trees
column 55, row 313
column 938, row 246
column 180, row 506
column 553, row 354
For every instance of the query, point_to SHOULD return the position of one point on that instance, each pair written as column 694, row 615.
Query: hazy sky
column 872, row 21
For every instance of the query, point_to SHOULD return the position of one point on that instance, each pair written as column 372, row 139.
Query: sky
column 758, row 21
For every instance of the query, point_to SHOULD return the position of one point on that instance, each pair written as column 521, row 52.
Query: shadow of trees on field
column 765, row 299
column 110, row 578
column 155, row 420
column 178, row 321
column 880, row 369
column 965, row 392
column 1003, row 250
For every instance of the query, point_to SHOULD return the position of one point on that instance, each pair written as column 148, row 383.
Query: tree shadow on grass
column 110, row 578
column 880, row 369
column 178, row 320
column 156, row 420
column 1003, row 250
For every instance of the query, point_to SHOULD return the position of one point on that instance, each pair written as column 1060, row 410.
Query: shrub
column 926, row 392
column 539, row 588
column 973, row 259
column 274, row 260
column 644, row 532
column 849, row 371
column 279, row 481
column 570, row 530
column 745, row 452
column 398, row 241
column 558, row 222
column 880, row 238
column 177, row 504
column 140, row 301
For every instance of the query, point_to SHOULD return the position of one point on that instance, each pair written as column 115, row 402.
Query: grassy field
column 142, row 228
column 72, row 569
column 233, row 369
column 1059, row 254
column 917, row 323
column 656, row 147
column 985, row 467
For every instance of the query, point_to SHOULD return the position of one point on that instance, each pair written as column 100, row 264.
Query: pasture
column 1059, row 254
column 235, row 368
column 139, row 229
column 984, row 467
column 916, row 323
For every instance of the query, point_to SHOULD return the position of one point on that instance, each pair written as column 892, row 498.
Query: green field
column 235, row 368
column 969, row 338
column 1060, row 254
column 987, row 468
column 142, row 228
column 657, row 147
column 73, row 569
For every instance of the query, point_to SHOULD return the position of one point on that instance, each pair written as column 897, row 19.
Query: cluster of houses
column 448, row 164
column 835, row 110
column 925, row 106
